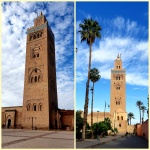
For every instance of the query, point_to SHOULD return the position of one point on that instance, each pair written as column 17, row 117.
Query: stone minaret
column 40, row 89
column 118, row 96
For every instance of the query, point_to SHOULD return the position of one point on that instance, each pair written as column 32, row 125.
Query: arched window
column 34, row 37
column 34, row 107
column 38, row 35
column 117, row 117
column 118, row 88
column 40, row 107
column 28, row 107
column 119, row 78
column 31, row 79
column 121, row 117
column 39, row 78
column 120, row 125
column 35, row 78
column 30, row 38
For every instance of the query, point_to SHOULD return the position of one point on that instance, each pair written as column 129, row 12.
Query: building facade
column 40, row 103
column 118, row 96
column 117, row 114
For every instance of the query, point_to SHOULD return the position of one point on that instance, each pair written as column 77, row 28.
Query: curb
column 93, row 146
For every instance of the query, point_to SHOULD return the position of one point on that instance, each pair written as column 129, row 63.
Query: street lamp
column 105, row 109
column 97, row 116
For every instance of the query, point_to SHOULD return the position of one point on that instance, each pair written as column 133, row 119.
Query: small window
column 40, row 108
column 28, row 107
column 117, row 117
column 119, row 78
column 117, row 88
column 38, row 55
column 34, row 37
column 38, row 35
column 34, row 107
column 39, row 77
column 121, row 117
column 31, row 79
column 117, row 102
column 36, row 70
column 120, row 125
column 35, row 79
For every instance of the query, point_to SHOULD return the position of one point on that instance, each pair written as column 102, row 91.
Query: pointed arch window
column 40, row 107
column 31, row 79
column 28, row 107
column 34, row 107
column 35, row 76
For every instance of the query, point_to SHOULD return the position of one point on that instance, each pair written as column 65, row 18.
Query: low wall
column 130, row 128
column 142, row 129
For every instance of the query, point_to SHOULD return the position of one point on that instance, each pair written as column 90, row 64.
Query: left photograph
column 37, row 75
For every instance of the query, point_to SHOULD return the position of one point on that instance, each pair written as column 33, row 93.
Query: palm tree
column 94, row 77
column 143, row 108
column 90, row 30
column 139, row 104
column 130, row 116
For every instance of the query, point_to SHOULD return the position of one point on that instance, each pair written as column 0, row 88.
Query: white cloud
column 134, row 51
column 16, row 18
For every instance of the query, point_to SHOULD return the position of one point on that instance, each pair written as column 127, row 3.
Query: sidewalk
column 91, row 143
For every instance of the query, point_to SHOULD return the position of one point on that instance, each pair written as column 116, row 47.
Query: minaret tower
column 40, row 89
column 118, row 95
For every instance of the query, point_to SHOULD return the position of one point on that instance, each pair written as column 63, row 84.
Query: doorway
column 9, row 123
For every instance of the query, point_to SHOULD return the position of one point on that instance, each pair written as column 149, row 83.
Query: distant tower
column 118, row 96
column 40, row 89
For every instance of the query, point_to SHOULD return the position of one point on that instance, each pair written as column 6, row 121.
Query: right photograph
column 112, row 101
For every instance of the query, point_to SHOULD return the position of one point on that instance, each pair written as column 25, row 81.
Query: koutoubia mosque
column 40, row 103
column 117, row 114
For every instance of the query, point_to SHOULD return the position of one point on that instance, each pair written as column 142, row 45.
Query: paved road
column 18, row 138
column 126, row 142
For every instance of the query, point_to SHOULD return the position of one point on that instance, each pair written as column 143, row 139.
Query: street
column 126, row 142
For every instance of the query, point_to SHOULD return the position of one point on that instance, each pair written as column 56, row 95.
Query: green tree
column 90, row 30
column 143, row 108
column 130, row 116
column 139, row 104
column 102, row 126
column 108, row 122
column 94, row 77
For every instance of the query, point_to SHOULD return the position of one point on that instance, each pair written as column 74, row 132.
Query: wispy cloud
column 16, row 18
column 118, row 36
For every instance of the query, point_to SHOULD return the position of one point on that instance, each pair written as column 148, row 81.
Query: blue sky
column 124, row 30
column 16, row 18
